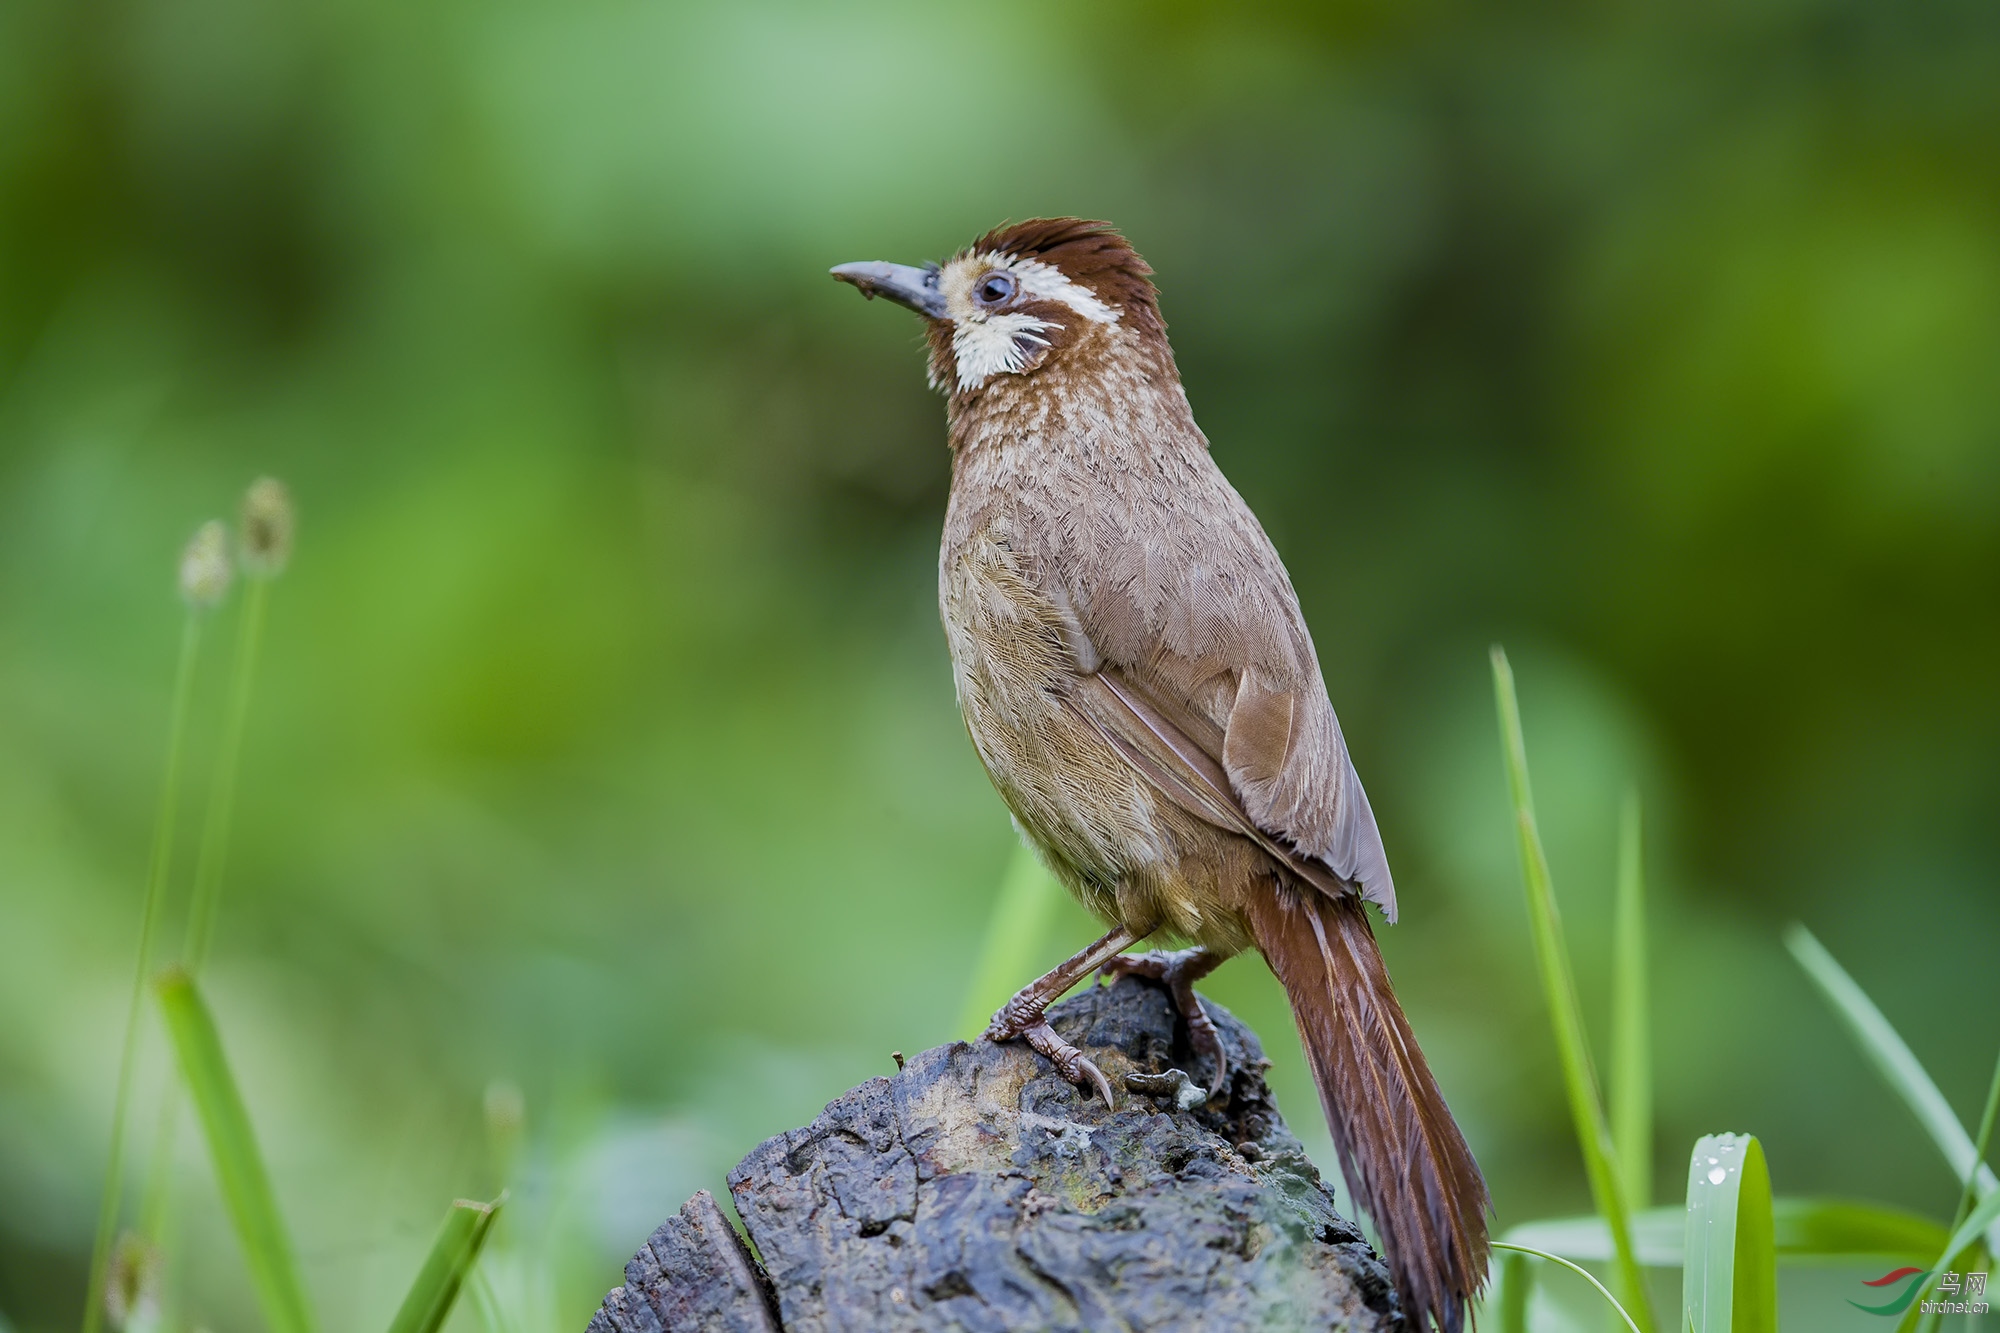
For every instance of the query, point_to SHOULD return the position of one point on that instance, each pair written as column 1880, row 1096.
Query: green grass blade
column 239, row 1167
column 452, row 1255
column 1583, row 1273
column 1631, row 1022
column 210, row 856
column 209, row 860
column 1805, row 1231
column 1968, row 1233
column 1565, row 1013
column 1968, row 1195
column 1893, row 1059
column 1020, row 921
column 1966, row 1220
column 158, row 864
column 1729, row 1277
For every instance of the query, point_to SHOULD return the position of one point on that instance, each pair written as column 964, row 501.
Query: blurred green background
column 605, row 747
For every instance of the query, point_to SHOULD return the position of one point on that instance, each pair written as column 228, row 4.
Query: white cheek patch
column 996, row 344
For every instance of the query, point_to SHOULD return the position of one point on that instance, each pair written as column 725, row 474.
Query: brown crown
column 1093, row 254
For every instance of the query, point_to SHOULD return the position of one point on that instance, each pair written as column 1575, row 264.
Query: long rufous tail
column 1400, row 1150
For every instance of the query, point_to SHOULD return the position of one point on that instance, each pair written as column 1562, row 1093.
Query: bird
column 1138, row 680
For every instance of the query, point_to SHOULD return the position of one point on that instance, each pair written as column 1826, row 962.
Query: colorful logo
column 1913, row 1278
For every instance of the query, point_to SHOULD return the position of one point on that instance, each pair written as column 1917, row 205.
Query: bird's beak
column 916, row 288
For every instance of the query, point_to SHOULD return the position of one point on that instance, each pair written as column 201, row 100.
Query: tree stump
column 977, row 1190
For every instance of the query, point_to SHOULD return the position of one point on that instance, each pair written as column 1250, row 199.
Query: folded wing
column 1262, row 753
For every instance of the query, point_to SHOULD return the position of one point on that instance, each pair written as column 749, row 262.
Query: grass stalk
column 214, row 849
column 1584, row 1273
column 1967, row 1196
column 210, row 856
column 1968, row 1234
column 1965, row 1229
column 452, row 1255
column 158, row 864
column 1631, row 1021
column 265, row 537
column 1565, row 1012
column 1019, row 924
column 1896, row 1063
column 232, row 1145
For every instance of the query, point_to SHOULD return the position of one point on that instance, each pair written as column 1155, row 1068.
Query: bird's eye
column 996, row 288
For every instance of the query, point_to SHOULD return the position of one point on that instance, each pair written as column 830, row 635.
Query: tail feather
column 1399, row 1147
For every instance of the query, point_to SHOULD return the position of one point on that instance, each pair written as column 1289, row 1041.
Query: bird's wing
column 1179, row 767
column 1165, row 752
column 1284, row 753
column 1200, row 671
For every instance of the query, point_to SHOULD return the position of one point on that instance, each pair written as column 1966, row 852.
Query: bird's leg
column 1022, row 1015
column 1178, row 971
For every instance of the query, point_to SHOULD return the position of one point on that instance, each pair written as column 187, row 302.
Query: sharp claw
column 1022, row 1016
column 1071, row 1063
column 1084, row 1066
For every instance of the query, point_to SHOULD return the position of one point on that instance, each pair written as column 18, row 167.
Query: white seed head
column 268, row 524
column 205, row 567
column 132, row 1284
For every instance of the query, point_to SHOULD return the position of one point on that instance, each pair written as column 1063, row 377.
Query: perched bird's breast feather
column 1094, row 497
column 1014, row 653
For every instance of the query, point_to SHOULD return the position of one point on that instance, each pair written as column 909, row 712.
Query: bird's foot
column 1022, row 1016
column 1071, row 1063
column 1178, row 970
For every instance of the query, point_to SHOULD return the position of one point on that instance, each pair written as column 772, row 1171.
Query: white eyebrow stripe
column 1049, row 283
